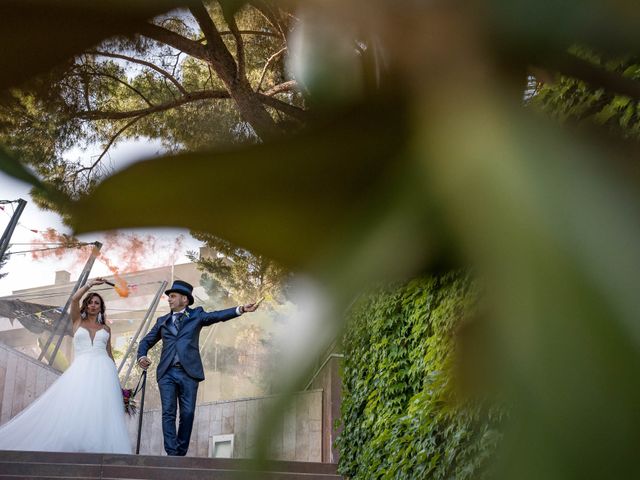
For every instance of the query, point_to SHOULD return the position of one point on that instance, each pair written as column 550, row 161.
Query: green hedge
column 399, row 416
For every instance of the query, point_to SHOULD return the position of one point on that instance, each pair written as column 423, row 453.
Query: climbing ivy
column 574, row 101
column 400, row 414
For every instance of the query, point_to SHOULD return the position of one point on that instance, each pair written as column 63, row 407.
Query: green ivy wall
column 399, row 416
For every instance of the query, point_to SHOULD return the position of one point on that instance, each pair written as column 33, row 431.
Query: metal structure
column 8, row 232
column 142, row 387
column 61, row 325
column 144, row 326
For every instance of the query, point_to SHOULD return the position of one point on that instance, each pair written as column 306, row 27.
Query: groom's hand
column 144, row 362
column 249, row 307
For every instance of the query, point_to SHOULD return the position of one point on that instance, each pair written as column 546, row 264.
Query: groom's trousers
column 177, row 388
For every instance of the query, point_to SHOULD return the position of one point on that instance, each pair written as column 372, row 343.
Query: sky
column 25, row 271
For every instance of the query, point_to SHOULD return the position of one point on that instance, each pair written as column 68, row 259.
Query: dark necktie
column 177, row 320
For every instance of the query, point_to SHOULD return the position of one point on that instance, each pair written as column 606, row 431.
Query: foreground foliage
column 401, row 415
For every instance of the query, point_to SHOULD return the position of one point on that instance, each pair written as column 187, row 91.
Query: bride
column 82, row 411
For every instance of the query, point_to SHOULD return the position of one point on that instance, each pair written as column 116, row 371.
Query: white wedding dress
column 82, row 411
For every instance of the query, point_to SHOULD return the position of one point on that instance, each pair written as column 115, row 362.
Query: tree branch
column 98, row 73
column 267, row 12
column 224, row 33
column 217, row 52
column 233, row 26
column 85, row 79
column 162, row 72
column 184, row 44
column 251, row 32
column 267, row 64
column 190, row 97
column 291, row 110
column 113, row 139
column 283, row 87
column 90, row 168
column 210, row 79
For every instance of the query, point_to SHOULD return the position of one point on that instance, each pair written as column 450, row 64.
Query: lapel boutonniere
column 184, row 317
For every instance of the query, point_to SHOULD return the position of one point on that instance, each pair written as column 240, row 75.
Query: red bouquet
column 130, row 407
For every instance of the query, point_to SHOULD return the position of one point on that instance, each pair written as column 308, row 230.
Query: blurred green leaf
column 46, row 33
column 554, row 230
column 325, row 60
column 286, row 199
column 13, row 167
column 525, row 25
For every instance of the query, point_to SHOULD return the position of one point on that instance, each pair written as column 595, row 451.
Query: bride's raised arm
column 75, row 300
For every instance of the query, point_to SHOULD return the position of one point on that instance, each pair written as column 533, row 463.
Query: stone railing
column 22, row 380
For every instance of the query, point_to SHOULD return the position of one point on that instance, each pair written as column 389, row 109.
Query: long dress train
column 82, row 411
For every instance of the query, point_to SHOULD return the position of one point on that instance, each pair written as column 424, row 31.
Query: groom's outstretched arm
column 209, row 318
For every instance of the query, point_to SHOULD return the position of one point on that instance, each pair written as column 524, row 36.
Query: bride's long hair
column 85, row 303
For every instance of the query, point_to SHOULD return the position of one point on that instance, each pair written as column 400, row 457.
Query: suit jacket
column 185, row 342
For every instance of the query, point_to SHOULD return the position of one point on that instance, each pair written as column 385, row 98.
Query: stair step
column 41, row 465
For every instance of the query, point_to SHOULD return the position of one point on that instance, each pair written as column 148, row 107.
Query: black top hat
column 183, row 288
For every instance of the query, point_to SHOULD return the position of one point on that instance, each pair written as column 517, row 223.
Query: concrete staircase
column 53, row 465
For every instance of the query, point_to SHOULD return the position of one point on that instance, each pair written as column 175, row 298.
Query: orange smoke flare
column 131, row 252
column 67, row 245
column 121, row 286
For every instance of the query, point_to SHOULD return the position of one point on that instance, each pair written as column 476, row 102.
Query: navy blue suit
column 179, row 384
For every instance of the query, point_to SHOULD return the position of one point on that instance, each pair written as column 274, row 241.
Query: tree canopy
column 192, row 78
column 238, row 273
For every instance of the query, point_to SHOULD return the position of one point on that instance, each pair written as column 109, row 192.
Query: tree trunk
column 249, row 104
column 252, row 110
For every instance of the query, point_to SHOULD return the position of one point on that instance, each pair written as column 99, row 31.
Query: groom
column 180, row 368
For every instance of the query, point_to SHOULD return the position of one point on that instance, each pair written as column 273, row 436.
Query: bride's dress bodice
column 82, row 342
